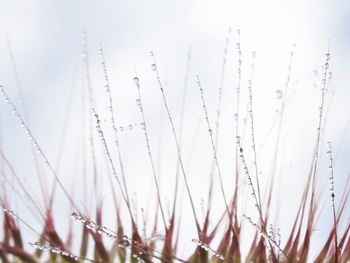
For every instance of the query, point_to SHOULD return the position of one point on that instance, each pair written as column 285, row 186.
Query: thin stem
column 215, row 153
column 110, row 160
column 112, row 119
column 12, row 214
column 41, row 178
column 321, row 108
column 155, row 69
column 268, row 237
column 331, row 189
column 250, row 111
column 249, row 179
column 36, row 145
column 144, row 127
column 217, row 118
column 236, row 115
column 182, row 118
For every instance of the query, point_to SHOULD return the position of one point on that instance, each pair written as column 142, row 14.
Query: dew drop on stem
column 279, row 94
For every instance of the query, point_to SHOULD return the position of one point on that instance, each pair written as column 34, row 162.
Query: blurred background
column 42, row 56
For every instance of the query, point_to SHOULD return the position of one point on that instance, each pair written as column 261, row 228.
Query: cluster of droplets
column 239, row 51
column 113, row 122
column 85, row 62
column 220, row 89
column 270, row 231
column 331, row 174
column 252, row 133
column 237, row 96
column 54, row 250
column 224, row 62
column 108, row 154
column 267, row 236
column 143, row 123
column 324, row 86
column 321, row 108
column 108, row 90
column 331, row 190
column 239, row 71
column 93, row 226
column 124, row 240
column 104, row 68
column 206, row 116
column 278, row 240
column 206, row 247
column 247, row 174
column 325, row 67
column 276, row 236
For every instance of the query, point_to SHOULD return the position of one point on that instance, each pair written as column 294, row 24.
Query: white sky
column 45, row 37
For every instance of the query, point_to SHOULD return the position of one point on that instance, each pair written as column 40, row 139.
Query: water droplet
column 121, row 128
column 154, row 67
column 136, row 80
column 279, row 94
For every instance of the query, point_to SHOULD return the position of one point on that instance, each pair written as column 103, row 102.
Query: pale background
column 46, row 36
